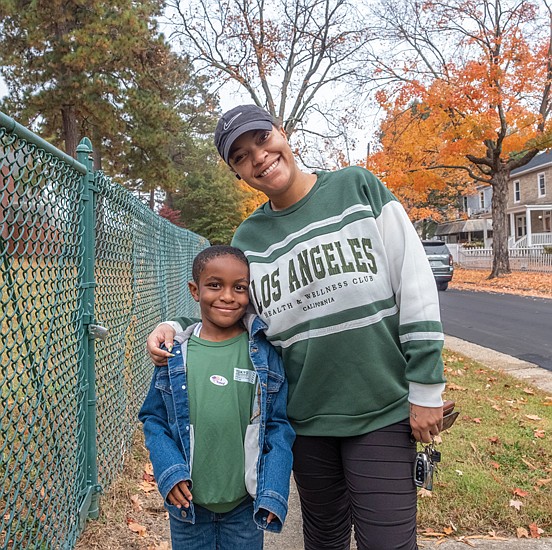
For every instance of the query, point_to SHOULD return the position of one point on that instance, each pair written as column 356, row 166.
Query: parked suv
column 440, row 260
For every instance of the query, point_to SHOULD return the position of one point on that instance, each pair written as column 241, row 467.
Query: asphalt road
column 519, row 326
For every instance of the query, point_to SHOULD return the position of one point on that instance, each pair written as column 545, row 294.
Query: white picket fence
column 521, row 259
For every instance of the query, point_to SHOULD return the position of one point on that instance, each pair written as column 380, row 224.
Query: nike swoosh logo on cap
column 229, row 123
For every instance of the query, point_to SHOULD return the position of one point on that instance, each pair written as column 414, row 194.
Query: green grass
column 498, row 451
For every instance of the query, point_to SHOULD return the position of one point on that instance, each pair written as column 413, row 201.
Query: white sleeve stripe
column 334, row 329
column 421, row 336
column 304, row 230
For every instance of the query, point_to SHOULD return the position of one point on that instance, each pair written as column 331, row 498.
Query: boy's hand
column 270, row 517
column 164, row 333
column 180, row 495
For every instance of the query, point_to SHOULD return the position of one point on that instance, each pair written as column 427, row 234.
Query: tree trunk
column 169, row 199
column 152, row 199
column 501, row 259
column 98, row 149
column 70, row 134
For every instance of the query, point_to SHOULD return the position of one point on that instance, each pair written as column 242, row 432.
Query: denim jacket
column 268, row 459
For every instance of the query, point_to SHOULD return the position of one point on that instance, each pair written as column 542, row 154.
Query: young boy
column 215, row 419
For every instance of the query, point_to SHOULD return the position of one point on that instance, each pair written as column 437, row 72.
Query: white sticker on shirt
column 244, row 375
column 218, row 380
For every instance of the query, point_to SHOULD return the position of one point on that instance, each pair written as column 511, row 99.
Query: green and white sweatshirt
column 343, row 283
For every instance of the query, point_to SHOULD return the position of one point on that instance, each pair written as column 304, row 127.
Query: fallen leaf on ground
column 517, row 504
column 520, row 492
column 455, row 387
column 527, row 463
column 466, row 541
column 147, row 476
column 136, row 504
column 522, row 533
column 535, row 531
column 147, row 486
column 539, row 433
column 542, row 482
column 529, row 391
column 533, row 417
column 140, row 530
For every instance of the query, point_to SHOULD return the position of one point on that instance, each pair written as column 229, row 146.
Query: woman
column 340, row 277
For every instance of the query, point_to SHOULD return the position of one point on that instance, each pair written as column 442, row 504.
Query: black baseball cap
column 236, row 122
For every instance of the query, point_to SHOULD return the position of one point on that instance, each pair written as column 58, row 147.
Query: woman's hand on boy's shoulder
column 162, row 334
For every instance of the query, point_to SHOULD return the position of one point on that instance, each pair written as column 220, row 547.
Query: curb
column 522, row 370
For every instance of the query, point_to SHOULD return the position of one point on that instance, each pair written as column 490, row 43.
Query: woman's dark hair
column 212, row 252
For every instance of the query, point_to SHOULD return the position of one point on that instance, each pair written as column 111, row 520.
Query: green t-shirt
column 221, row 386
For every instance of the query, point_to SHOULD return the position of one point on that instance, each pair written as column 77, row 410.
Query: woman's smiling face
column 264, row 160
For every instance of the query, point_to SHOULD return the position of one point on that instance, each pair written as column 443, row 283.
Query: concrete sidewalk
column 291, row 538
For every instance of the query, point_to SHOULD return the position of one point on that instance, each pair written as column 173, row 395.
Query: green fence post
column 89, row 507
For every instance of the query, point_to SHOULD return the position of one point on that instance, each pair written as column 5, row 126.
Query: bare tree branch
column 283, row 54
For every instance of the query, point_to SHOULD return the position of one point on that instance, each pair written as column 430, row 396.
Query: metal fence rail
column 77, row 251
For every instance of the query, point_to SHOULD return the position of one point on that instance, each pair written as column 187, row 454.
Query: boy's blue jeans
column 234, row 530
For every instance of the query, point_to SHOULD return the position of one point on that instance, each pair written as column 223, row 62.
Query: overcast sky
column 232, row 95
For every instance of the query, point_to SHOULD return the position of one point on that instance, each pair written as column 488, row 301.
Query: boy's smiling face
column 223, row 296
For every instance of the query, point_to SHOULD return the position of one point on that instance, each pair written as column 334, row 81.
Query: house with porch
column 477, row 227
column 529, row 210
column 530, row 203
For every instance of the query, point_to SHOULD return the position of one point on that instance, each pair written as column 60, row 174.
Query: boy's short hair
column 212, row 252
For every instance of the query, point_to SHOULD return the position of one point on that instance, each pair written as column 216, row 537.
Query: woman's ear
column 283, row 132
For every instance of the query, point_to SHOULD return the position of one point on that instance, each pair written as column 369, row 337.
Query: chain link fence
column 79, row 253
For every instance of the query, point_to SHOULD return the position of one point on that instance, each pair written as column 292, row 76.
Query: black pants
column 364, row 480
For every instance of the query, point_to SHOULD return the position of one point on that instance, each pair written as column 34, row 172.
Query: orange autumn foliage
column 466, row 114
